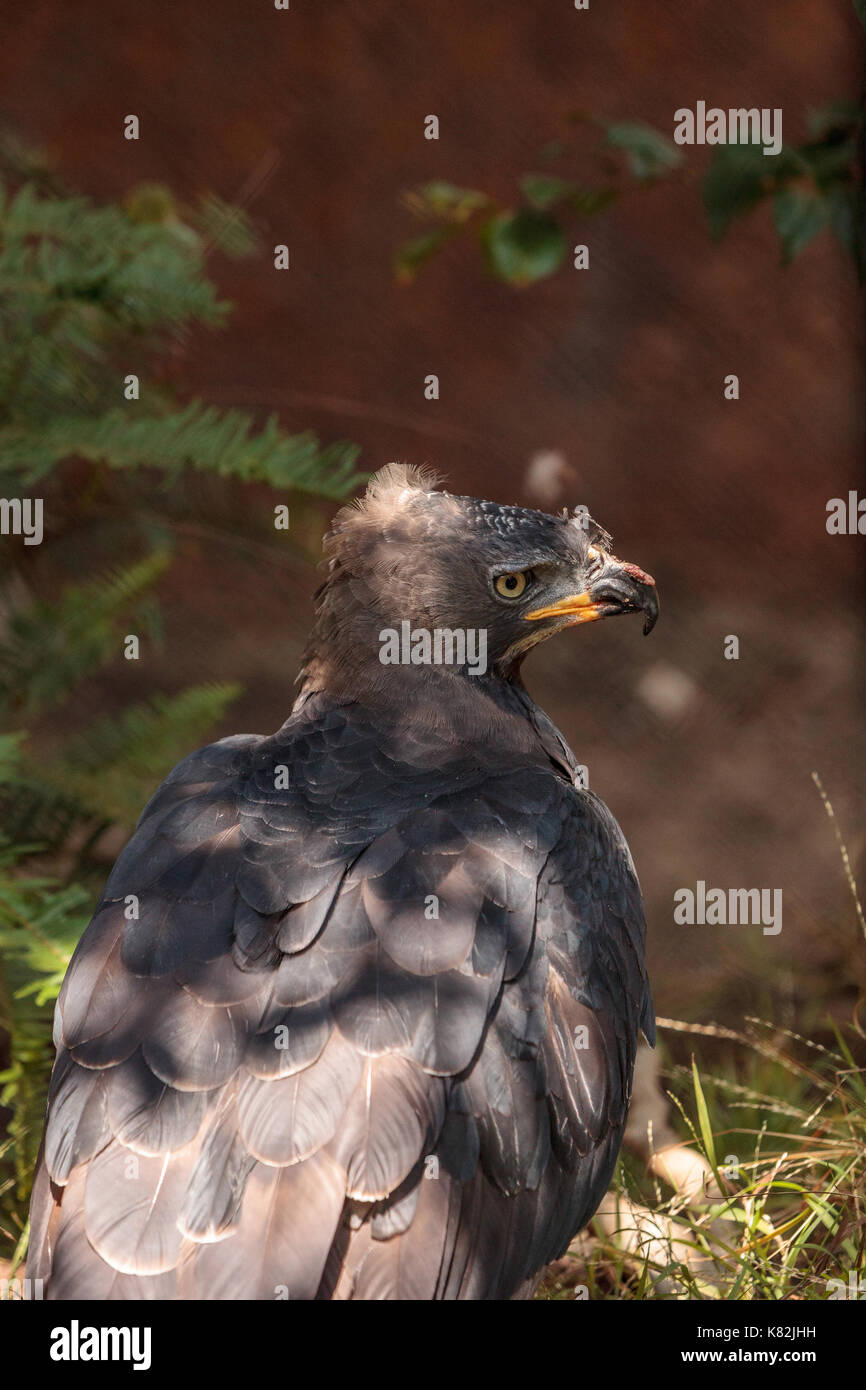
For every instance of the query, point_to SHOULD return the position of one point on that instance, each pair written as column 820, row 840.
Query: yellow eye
column 511, row 585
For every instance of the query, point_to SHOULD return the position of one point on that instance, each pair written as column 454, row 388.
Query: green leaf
column 445, row 201
column 860, row 11
column 650, row 154
column 704, row 1121
column 522, row 247
column 739, row 177
column 544, row 191
column 800, row 215
column 414, row 255
column 592, row 200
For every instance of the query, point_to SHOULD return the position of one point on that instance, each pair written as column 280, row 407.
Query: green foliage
column 115, row 763
column 650, row 155
column 526, row 243
column 98, row 267
column 545, row 192
column 224, row 443
column 40, row 922
column 103, row 774
column 442, row 203
column 790, row 1221
column 414, row 254
column 446, row 202
column 50, row 647
column 812, row 187
column 784, row 1217
column 523, row 246
column 739, row 177
column 787, row 1222
column 84, row 290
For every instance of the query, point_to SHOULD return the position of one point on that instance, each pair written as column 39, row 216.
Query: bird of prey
column 356, row 1015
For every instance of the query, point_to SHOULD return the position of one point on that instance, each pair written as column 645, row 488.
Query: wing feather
column 366, row 1035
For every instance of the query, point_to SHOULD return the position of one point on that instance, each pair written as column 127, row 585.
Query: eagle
column 357, row 1012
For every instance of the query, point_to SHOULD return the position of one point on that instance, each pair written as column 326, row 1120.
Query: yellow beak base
column 579, row 607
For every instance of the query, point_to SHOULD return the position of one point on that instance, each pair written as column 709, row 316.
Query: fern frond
column 40, row 923
column 49, row 647
column 199, row 437
column 112, row 767
column 30, row 811
column 66, row 250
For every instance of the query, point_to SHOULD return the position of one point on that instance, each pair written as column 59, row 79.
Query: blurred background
column 557, row 386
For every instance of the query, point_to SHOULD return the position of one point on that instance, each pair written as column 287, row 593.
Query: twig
column 843, row 850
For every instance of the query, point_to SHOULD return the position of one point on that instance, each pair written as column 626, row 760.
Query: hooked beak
column 617, row 588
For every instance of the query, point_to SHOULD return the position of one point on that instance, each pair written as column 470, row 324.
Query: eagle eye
column 512, row 585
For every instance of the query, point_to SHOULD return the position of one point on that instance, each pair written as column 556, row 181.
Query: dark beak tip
column 651, row 612
column 625, row 588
